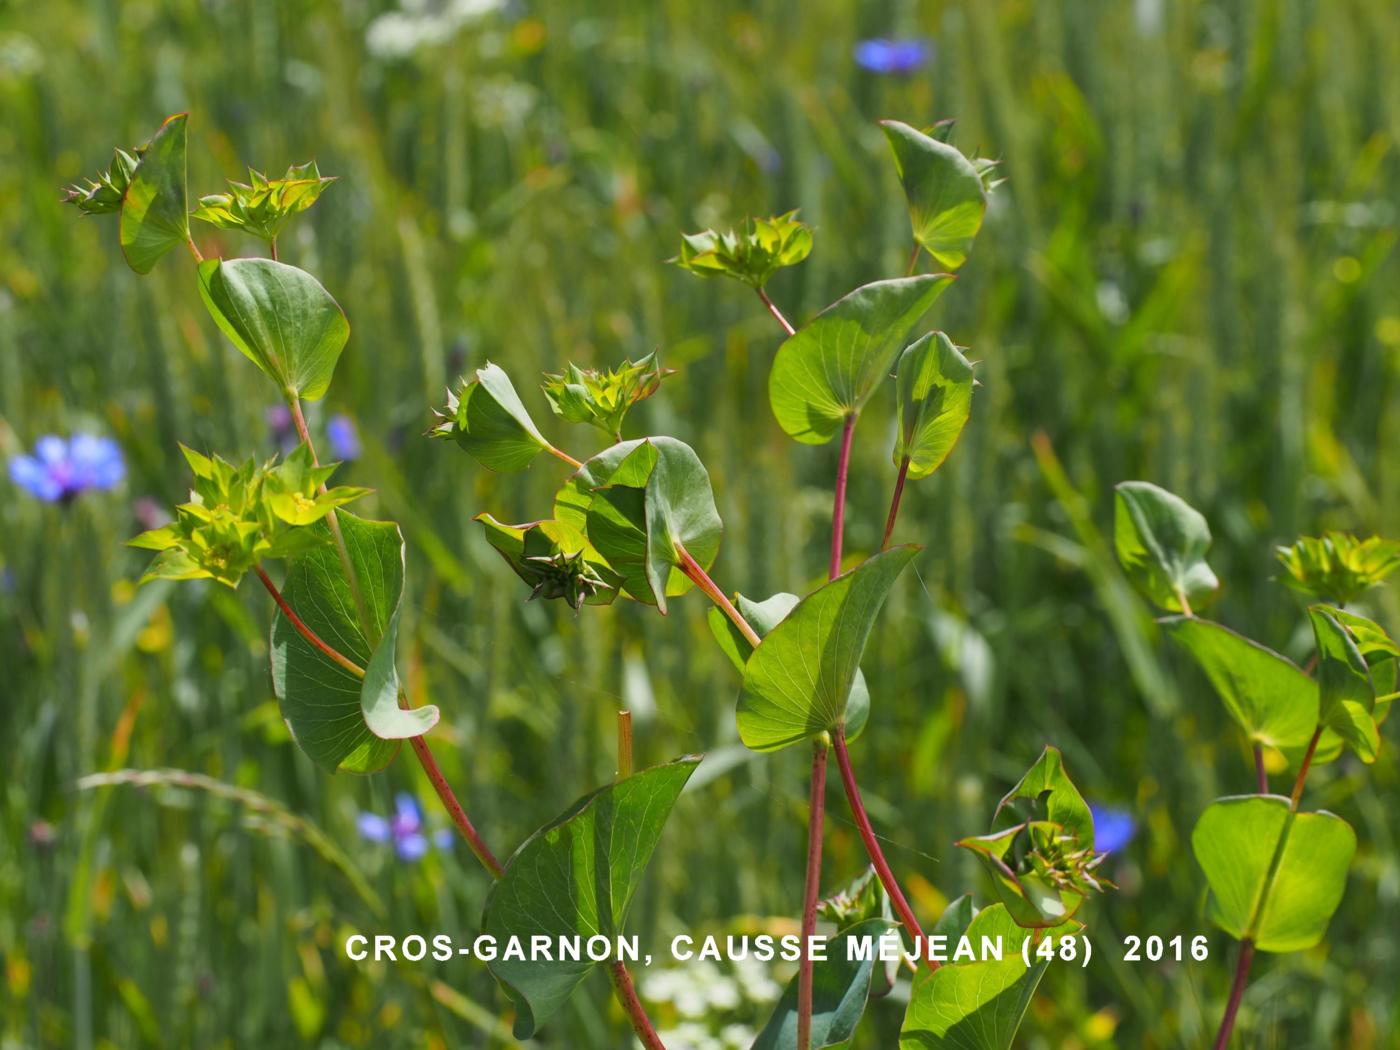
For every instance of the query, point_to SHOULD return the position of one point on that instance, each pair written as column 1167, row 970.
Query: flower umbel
column 752, row 254
column 404, row 830
column 1337, row 567
column 602, row 399
column 262, row 206
column 60, row 470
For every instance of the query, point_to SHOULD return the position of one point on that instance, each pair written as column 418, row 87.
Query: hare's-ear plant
column 635, row 520
column 1276, row 872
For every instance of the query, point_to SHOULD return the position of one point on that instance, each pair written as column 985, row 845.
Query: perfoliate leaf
column 1346, row 695
column 1276, row 876
column 263, row 206
column 1162, row 542
column 280, row 318
column 751, row 254
column 104, row 193
column 155, row 209
column 829, row 369
column 1338, row 568
column 639, row 504
column 1270, row 697
column 947, row 198
column 1381, row 654
column 977, row 1005
column 840, row 988
column 491, row 423
column 575, row 877
column 336, row 718
column 602, row 399
column 1042, row 862
column 797, row 681
column 555, row 559
column 933, row 395
column 763, row 617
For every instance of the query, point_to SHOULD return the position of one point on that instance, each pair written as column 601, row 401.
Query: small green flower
column 103, row 194
column 237, row 516
column 555, row 559
column 752, row 254
column 262, row 206
column 1338, row 567
column 602, row 399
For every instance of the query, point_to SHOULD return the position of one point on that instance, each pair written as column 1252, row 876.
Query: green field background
column 1190, row 277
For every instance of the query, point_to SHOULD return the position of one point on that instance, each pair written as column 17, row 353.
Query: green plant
column 634, row 520
column 1276, row 872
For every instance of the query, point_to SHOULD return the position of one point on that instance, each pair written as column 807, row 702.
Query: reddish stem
column 1227, row 1023
column 272, row 248
column 1307, row 764
column 816, row 818
column 632, row 1006
column 698, row 576
column 894, row 502
column 194, row 250
column 306, row 632
column 773, row 309
column 838, row 509
column 454, row 808
column 872, row 847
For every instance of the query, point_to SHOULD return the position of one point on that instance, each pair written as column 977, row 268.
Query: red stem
column 306, row 632
column 894, row 502
column 872, row 847
column 1307, row 764
column 701, row 579
column 454, row 808
column 816, row 818
column 773, row 309
column 1227, row 1023
column 838, row 509
column 632, row 1006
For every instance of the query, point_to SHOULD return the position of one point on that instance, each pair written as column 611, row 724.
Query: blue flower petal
column 373, row 827
column 443, row 838
column 411, row 847
column 893, row 56
column 344, row 439
column 1113, row 828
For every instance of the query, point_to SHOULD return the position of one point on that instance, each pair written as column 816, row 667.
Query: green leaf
column 840, row 988
column 280, row 318
column 763, row 617
column 829, row 369
column 933, row 387
column 335, row 717
column 1347, row 696
column 797, row 681
column 947, row 200
column 1271, row 698
column 1162, row 542
column 977, row 1005
column 491, row 423
column 1042, row 863
column 575, row 877
column 155, row 210
column 1275, row 876
column 640, row 503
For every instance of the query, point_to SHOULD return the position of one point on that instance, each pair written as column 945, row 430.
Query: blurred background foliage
column 1189, row 277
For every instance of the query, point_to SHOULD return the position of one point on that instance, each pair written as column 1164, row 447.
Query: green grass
column 1189, row 277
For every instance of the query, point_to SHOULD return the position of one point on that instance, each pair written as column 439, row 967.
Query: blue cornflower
column 893, row 57
column 60, row 470
column 404, row 829
column 343, row 437
column 1113, row 828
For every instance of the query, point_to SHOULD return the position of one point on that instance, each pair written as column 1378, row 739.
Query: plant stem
column 624, row 744
column 838, row 507
column 773, row 309
column 894, row 502
column 872, row 847
column 563, row 457
column 272, row 247
column 1261, row 775
column 306, row 632
column 636, row 1013
column 1227, row 1023
column 701, row 579
column 454, row 808
column 194, row 250
column 913, row 260
column 816, row 819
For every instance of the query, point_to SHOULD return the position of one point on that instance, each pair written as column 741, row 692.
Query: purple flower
column 893, row 57
column 343, row 437
column 1113, row 828
column 280, row 425
column 404, row 829
column 60, row 470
